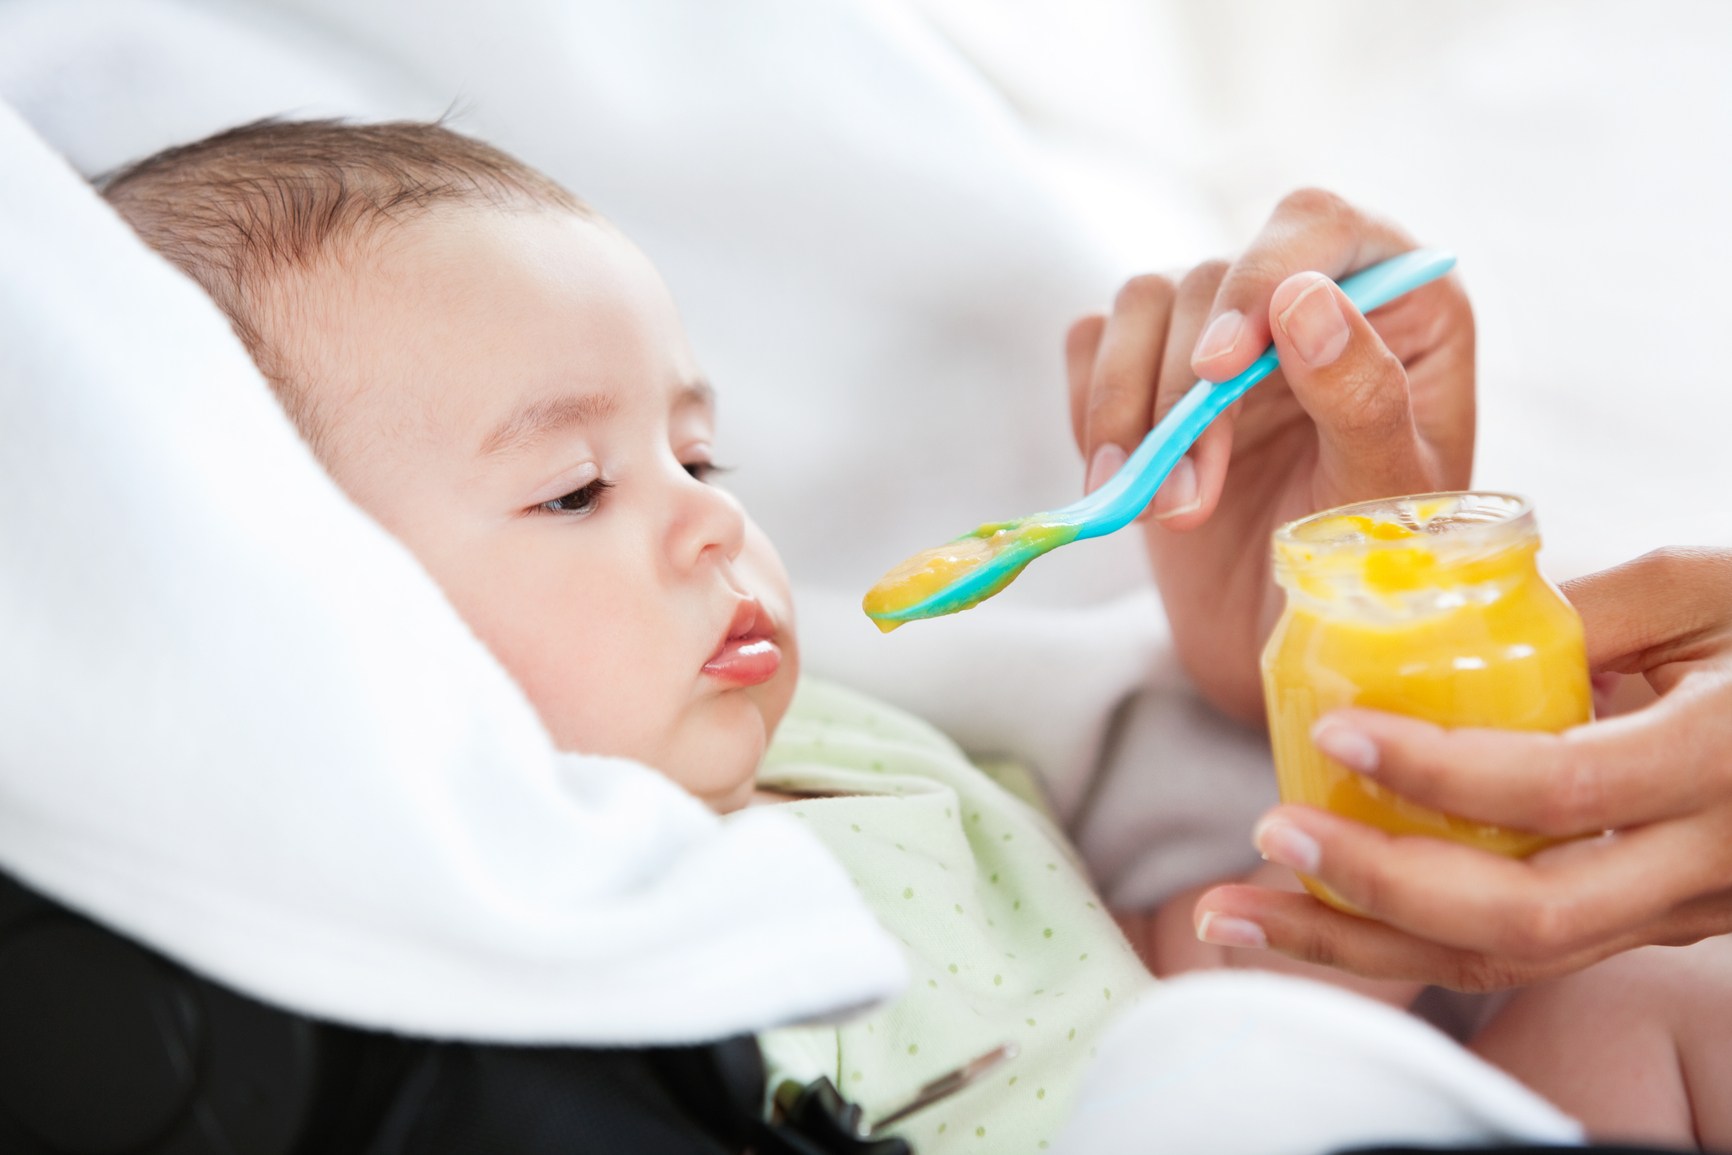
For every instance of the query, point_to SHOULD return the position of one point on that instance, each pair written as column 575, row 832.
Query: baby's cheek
column 591, row 715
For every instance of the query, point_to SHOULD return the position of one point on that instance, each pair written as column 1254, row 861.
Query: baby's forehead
column 465, row 321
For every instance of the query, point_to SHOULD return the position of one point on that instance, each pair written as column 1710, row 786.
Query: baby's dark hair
column 238, row 210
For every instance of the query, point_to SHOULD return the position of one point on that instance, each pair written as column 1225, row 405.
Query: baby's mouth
column 748, row 655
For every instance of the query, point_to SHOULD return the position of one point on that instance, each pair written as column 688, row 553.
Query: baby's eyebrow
column 536, row 421
column 533, row 422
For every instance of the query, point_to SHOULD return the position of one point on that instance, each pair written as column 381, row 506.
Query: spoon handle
column 1131, row 489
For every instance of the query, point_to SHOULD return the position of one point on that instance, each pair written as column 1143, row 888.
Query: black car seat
column 108, row 1048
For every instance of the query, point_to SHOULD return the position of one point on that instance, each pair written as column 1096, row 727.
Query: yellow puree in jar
column 932, row 571
column 1494, row 645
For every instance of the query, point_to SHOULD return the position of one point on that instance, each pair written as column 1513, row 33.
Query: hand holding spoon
column 965, row 572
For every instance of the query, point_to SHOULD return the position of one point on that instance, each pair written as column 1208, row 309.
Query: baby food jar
column 1428, row 606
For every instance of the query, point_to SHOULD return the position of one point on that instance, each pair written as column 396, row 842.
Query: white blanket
column 877, row 269
column 243, row 725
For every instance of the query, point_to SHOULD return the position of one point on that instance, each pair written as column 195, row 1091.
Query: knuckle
column 1666, row 564
column 1574, row 794
column 1367, row 886
column 1427, row 773
column 1146, row 292
column 1686, row 568
column 1111, row 406
column 1202, row 280
column 1325, row 948
column 1259, row 270
column 1117, row 410
column 1541, row 930
column 1313, row 202
column 1477, row 973
column 1376, row 393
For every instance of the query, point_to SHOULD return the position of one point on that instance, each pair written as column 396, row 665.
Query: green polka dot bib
column 1007, row 940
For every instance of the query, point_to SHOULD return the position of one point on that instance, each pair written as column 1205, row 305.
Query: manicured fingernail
column 1282, row 842
column 1222, row 930
column 1103, row 465
column 1179, row 493
column 1348, row 747
column 1315, row 324
column 1220, row 337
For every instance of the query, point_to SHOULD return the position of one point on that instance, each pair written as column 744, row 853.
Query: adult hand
column 1340, row 421
column 1659, row 779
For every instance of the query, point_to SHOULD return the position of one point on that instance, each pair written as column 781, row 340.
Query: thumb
column 1670, row 605
column 1354, row 390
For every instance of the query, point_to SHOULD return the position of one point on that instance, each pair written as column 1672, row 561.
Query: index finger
column 1309, row 231
column 1301, row 927
column 1660, row 762
column 1562, row 900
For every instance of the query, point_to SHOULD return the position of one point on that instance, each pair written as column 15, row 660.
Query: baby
column 500, row 378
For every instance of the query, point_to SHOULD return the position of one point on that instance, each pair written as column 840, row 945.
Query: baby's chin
column 712, row 749
column 741, row 797
column 724, row 776
column 725, row 780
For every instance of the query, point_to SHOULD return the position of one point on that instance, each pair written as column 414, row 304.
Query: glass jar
column 1430, row 606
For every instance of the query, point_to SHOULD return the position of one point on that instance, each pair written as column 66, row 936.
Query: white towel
column 871, row 256
column 241, row 724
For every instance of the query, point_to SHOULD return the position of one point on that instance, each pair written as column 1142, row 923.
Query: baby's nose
column 706, row 519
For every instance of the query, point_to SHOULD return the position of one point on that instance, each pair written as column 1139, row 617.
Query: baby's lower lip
column 745, row 661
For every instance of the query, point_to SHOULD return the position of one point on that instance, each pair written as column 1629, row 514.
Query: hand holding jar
column 1659, row 780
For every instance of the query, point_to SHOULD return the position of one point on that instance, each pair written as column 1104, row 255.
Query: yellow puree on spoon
column 930, row 572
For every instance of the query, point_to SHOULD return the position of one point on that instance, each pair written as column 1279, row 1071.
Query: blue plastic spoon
column 970, row 569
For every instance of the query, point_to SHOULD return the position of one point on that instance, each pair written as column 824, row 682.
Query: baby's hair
column 239, row 210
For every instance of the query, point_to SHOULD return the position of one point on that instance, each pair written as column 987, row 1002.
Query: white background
column 1577, row 156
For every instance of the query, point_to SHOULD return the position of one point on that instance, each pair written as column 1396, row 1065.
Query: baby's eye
column 704, row 470
column 578, row 501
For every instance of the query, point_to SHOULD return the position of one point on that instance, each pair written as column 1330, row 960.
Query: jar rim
column 1473, row 519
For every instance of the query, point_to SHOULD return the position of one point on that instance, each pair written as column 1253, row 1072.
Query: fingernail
column 1220, row 337
column 1315, row 324
column 1282, row 842
column 1103, row 465
column 1222, row 930
column 1348, row 747
column 1179, row 493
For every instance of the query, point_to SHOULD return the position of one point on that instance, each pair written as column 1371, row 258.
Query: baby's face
column 512, row 396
